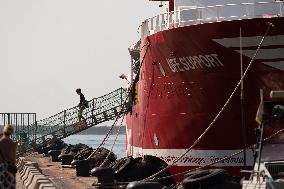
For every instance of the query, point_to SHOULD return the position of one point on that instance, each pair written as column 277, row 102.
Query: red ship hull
column 187, row 74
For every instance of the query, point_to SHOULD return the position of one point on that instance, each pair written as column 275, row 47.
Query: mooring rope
column 109, row 131
column 114, row 142
column 219, row 160
column 222, row 109
column 122, row 106
column 185, row 172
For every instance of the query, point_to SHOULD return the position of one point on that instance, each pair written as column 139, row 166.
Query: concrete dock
column 60, row 177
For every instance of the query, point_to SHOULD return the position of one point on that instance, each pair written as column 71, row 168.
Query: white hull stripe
column 266, row 55
column 251, row 41
column 279, row 65
column 196, row 158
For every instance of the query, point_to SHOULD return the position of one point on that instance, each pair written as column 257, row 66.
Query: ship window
column 161, row 69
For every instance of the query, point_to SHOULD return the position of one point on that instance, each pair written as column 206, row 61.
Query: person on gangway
column 83, row 104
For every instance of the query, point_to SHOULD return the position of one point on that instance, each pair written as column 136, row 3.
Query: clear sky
column 48, row 48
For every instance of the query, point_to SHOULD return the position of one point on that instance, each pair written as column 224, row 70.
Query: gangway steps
column 66, row 123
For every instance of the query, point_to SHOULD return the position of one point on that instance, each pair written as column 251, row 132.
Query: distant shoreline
column 102, row 130
column 97, row 130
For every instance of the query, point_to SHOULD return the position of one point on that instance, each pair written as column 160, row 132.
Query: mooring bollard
column 54, row 155
column 66, row 159
column 105, row 175
column 82, row 167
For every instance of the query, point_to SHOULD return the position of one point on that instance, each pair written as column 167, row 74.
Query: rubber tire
column 155, row 161
column 205, row 178
column 82, row 168
column 122, row 169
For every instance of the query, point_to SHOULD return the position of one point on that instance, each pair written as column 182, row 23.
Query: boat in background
column 268, row 168
column 185, row 67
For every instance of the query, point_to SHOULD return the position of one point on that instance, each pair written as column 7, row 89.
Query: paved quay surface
column 64, row 178
column 19, row 184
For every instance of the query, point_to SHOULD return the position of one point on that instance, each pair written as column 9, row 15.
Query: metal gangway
column 66, row 123
column 20, row 122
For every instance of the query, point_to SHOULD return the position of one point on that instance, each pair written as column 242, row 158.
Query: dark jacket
column 8, row 149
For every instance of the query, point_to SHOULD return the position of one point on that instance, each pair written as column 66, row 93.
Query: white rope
column 123, row 105
column 219, row 160
column 114, row 142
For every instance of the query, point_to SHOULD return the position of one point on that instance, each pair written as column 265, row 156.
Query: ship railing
column 193, row 15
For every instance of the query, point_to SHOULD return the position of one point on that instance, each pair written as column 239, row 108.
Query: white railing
column 187, row 16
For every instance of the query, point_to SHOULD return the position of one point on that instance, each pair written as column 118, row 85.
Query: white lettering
column 172, row 66
column 216, row 57
column 205, row 61
column 184, row 63
column 194, row 62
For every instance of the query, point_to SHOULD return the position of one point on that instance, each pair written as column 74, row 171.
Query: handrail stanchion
column 93, row 108
column 64, row 122
column 35, row 132
column 280, row 7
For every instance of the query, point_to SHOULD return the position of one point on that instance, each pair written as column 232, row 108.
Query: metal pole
column 64, row 124
column 4, row 119
column 28, row 126
column 280, row 6
column 260, row 148
column 35, row 125
column 35, row 132
column 242, row 103
column 121, row 89
column 93, row 104
column 16, row 123
column 9, row 121
column 15, row 126
column 131, row 69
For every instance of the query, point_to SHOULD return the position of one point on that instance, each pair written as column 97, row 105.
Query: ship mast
column 242, row 102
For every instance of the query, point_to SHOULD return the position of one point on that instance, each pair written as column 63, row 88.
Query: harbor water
column 95, row 140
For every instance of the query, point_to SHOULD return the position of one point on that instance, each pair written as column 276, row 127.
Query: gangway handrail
column 67, row 122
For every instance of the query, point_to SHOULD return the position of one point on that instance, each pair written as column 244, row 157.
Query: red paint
column 178, row 107
column 171, row 5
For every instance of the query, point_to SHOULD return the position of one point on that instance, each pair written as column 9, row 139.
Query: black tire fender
column 204, row 178
column 127, row 163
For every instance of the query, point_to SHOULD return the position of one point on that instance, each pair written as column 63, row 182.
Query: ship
column 196, row 76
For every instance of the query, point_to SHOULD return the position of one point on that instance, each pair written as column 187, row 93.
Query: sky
column 48, row 48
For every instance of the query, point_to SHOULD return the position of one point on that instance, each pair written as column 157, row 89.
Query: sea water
column 95, row 140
